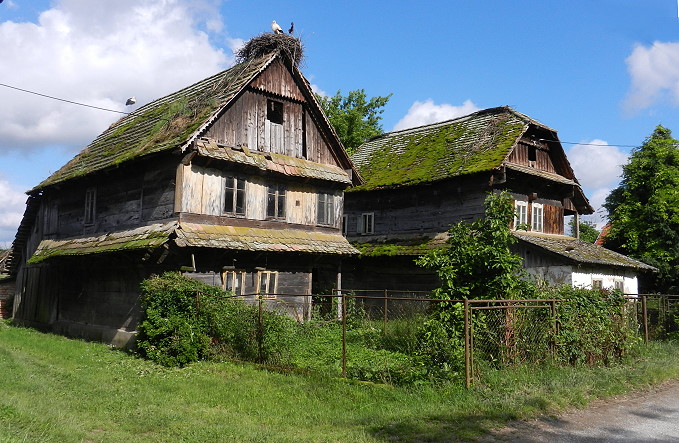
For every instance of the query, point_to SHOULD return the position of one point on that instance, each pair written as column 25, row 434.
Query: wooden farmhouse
column 238, row 179
column 419, row 181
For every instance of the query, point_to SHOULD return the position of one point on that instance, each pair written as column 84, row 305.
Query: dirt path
column 650, row 416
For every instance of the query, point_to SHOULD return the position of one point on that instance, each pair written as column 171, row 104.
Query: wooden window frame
column 235, row 188
column 90, row 206
column 325, row 213
column 520, row 213
column 237, row 276
column 537, row 218
column 275, row 111
column 345, row 225
column 267, row 291
column 275, row 202
column 367, row 223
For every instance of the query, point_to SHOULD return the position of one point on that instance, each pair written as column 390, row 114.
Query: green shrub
column 592, row 326
column 170, row 332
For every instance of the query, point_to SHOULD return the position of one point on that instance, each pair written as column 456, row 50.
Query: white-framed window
column 90, row 206
column 521, row 213
column 234, row 281
column 537, row 217
column 367, row 223
column 597, row 283
column 345, row 225
column 234, row 195
column 619, row 285
column 275, row 202
column 326, row 209
column 267, row 283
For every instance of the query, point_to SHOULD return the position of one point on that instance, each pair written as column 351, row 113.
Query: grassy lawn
column 56, row 389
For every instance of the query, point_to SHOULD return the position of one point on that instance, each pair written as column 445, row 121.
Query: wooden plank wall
column 203, row 193
column 418, row 209
column 543, row 159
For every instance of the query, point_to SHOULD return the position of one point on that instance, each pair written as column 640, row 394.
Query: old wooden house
column 419, row 181
column 237, row 179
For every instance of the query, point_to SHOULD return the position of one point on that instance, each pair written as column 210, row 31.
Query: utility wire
column 78, row 103
column 589, row 144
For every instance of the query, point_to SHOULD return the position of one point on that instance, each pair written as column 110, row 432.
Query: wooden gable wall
column 246, row 122
column 533, row 155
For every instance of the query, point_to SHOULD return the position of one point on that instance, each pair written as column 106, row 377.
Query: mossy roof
column 144, row 237
column 579, row 251
column 284, row 239
column 164, row 124
column 277, row 163
column 474, row 143
column 410, row 246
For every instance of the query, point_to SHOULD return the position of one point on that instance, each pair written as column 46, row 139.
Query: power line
column 588, row 144
column 78, row 103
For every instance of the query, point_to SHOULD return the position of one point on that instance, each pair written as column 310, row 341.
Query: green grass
column 56, row 389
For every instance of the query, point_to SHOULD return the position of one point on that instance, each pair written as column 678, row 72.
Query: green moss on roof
column 161, row 125
column 474, row 143
column 412, row 246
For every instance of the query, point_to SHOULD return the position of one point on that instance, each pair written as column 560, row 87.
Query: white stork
column 276, row 28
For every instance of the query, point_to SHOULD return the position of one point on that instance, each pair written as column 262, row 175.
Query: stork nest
column 287, row 45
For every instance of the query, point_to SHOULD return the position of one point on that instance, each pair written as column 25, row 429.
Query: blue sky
column 603, row 72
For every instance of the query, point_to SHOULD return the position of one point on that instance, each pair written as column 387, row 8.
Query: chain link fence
column 387, row 336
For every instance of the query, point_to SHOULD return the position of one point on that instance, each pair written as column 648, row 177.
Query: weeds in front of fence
column 390, row 337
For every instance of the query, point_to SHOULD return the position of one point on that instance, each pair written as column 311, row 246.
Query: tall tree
column 355, row 117
column 588, row 230
column 644, row 209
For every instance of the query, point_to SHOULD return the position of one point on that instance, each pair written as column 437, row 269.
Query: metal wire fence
column 388, row 336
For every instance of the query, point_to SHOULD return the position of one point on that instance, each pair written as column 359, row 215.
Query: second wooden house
column 421, row 180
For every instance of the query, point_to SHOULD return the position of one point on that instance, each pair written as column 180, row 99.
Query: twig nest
column 266, row 43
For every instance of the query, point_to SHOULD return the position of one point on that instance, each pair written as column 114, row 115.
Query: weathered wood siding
column 417, row 209
column 246, row 123
column 542, row 162
column 202, row 192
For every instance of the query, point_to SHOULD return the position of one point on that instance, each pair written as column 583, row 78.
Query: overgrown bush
column 178, row 328
column 593, row 327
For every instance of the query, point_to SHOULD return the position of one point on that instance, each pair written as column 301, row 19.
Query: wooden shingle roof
column 578, row 251
column 474, row 143
column 164, row 124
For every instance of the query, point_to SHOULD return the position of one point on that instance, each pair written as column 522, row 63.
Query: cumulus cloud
column 423, row 113
column 598, row 167
column 597, row 164
column 654, row 73
column 13, row 204
column 99, row 53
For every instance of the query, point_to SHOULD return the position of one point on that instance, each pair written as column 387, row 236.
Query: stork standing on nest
column 276, row 28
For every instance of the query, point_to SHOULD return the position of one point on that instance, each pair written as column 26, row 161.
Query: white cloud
column 318, row 90
column 598, row 167
column 654, row 72
column 597, row 164
column 11, row 211
column 423, row 113
column 99, row 53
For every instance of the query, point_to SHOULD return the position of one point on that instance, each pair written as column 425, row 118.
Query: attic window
column 274, row 111
column 90, row 206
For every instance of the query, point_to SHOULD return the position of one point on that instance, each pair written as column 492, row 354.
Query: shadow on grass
column 452, row 427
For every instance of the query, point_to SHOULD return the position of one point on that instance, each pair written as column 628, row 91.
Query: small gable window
column 90, row 206
column 326, row 209
column 234, row 281
column 275, row 202
column 274, row 111
column 234, row 196
column 537, row 218
column 367, row 223
column 267, row 283
column 521, row 214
